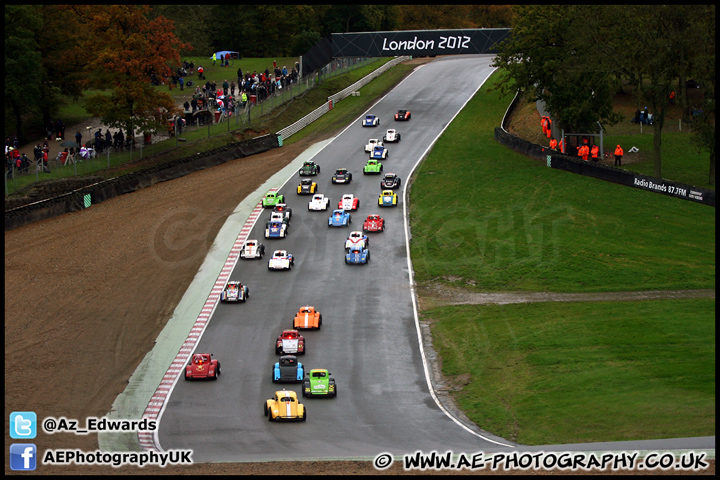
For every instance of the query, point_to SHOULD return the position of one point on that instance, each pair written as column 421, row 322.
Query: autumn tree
column 125, row 48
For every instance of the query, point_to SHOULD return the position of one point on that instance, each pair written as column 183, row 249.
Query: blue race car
column 339, row 218
column 276, row 229
column 357, row 254
column 379, row 152
column 288, row 370
column 371, row 120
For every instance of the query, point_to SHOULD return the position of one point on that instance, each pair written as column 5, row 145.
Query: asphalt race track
column 368, row 340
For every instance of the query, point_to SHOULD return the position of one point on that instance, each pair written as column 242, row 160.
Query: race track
column 368, row 340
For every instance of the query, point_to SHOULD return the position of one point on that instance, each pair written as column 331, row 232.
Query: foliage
column 543, row 59
column 129, row 49
column 22, row 76
column 572, row 57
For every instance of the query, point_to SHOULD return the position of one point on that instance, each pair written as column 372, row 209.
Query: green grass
column 488, row 218
column 681, row 162
column 547, row 373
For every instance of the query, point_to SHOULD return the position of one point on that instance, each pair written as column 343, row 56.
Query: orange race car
column 307, row 317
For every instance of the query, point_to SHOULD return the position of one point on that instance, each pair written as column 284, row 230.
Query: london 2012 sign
column 417, row 42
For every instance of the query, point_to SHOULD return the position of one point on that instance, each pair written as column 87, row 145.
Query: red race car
column 202, row 365
column 374, row 223
column 402, row 115
column 349, row 202
column 290, row 342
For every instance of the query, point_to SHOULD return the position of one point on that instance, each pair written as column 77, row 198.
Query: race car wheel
column 304, row 416
column 320, row 322
column 265, row 409
column 218, row 369
column 270, row 419
column 346, row 261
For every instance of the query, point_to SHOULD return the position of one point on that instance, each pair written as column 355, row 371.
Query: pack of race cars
column 284, row 404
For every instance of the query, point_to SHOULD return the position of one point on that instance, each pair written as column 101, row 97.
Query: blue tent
column 233, row 55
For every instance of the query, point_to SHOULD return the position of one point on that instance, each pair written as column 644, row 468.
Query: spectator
column 49, row 130
column 186, row 106
column 181, row 82
column 232, row 88
column 227, row 59
column 108, row 138
column 194, row 104
column 239, row 76
column 618, row 156
column 225, row 86
column 594, row 152
column 78, row 138
column 214, row 59
column 200, row 72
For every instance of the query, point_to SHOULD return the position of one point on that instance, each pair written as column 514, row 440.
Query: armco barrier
column 131, row 182
column 605, row 172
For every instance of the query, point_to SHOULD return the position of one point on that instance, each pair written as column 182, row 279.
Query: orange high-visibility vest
column 595, row 151
column 618, row 151
column 553, row 144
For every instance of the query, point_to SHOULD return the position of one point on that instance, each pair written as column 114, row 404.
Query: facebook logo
column 23, row 425
column 23, row 456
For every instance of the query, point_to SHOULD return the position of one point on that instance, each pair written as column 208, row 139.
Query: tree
column 23, row 78
column 702, row 119
column 647, row 48
column 543, row 57
column 127, row 49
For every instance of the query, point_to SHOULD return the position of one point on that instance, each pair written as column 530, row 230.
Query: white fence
column 322, row 110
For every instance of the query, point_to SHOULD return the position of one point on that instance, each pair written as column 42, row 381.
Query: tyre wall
column 99, row 192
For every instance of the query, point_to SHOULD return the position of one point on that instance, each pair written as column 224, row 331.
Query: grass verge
column 553, row 373
column 487, row 218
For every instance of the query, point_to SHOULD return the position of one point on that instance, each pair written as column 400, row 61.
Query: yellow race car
column 285, row 406
column 306, row 187
column 387, row 198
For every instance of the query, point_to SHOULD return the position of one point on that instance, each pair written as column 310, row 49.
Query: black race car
column 309, row 168
column 402, row 115
column 342, row 175
column 390, row 180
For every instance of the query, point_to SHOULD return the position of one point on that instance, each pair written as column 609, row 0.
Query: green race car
column 309, row 168
column 319, row 383
column 372, row 167
column 271, row 199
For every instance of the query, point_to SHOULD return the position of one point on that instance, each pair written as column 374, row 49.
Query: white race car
column 281, row 260
column 357, row 239
column 392, row 135
column 278, row 217
column 252, row 249
column 371, row 144
column 319, row 202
